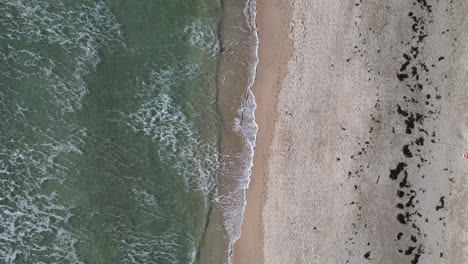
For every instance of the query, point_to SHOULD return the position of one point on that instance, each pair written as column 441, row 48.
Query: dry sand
column 360, row 160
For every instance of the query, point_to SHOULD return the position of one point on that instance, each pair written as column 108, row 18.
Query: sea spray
column 248, row 125
column 236, row 75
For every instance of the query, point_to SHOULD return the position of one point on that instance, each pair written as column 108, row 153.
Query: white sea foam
column 79, row 32
column 203, row 35
column 139, row 247
column 181, row 146
column 26, row 216
column 248, row 127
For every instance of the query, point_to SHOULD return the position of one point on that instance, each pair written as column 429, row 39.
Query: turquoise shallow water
column 109, row 136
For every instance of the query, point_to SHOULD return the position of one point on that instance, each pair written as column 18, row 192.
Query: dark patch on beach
column 417, row 256
column 400, row 234
column 419, row 117
column 401, row 111
column 409, row 251
column 402, row 76
column 442, row 203
column 420, row 141
column 419, row 86
column 400, row 193
column 414, row 72
column 395, row 172
column 404, row 65
column 402, row 219
column 407, row 152
column 367, row 255
column 404, row 182
column 410, row 124
column 410, row 201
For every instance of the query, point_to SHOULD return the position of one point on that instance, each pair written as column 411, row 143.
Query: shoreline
column 236, row 106
column 274, row 51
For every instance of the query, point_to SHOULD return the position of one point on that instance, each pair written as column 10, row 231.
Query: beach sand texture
column 366, row 159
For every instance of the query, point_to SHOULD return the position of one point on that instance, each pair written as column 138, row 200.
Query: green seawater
column 109, row 132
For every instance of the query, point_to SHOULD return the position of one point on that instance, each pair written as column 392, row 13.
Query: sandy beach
column 363, row 123
column 274, row 50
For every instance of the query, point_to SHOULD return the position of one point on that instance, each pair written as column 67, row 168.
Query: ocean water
column 116, row 129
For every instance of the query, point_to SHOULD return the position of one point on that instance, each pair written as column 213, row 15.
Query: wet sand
column 274, row 50
column 360, row 158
